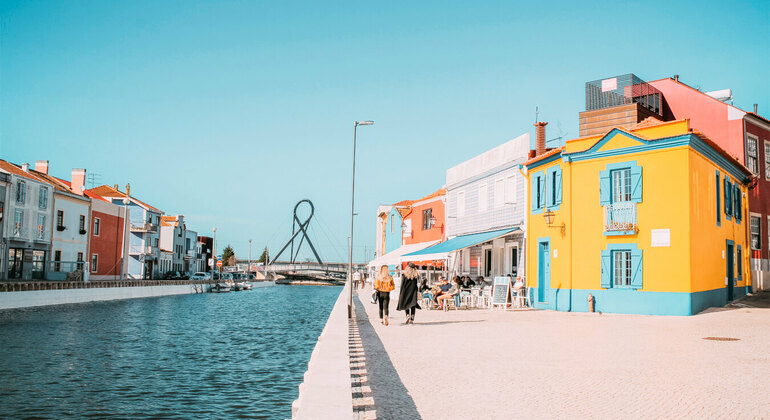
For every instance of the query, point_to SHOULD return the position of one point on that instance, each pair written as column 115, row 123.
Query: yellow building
column 650, row 220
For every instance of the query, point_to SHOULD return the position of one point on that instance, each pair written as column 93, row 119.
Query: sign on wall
column 660, row 237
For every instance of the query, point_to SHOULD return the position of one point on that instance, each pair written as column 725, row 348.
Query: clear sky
column 231, row 112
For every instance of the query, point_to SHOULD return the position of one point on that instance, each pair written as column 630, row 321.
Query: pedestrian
column 408, row 299
column 384, row 285
column 356, row 279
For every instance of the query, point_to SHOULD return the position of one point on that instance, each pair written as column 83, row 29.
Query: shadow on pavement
column 391, row 398
column 417, row 323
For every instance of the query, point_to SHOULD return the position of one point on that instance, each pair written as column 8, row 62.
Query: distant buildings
column 56, row 229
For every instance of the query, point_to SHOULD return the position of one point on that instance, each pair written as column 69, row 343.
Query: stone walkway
column 482, row 364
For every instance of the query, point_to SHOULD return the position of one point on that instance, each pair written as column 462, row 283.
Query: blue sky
column 231, row 112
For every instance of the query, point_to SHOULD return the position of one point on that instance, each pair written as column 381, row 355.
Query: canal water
column 231, row 355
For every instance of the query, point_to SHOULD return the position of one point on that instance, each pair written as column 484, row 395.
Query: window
column 510, row 190
column 21, row 192
column 94, row 262
column 483, row 196
column 82, row 224
column 621, row 266
column 621, row 185
column 18, row 222
column 426, row 216
column 57, row 259
column 537, row 191
column 42, row 201
column 156, row 242
column 97, row 222
column 767, row 159
column 751, row 154
column 392, row 227
column 719, row 206
column 157, row 220
column 60, row 220
column 80, row 260
column 737, row 198
column 621, row 274
column 728, row 198
column 461, row 204
column 499, row 199
column 40, row 226
column 756, row 231
column 553, row 184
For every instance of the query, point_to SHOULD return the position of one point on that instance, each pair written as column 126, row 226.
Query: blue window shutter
column 604, row 188
column 551, row 185
column 636, row 268
column 606, row 274
column 542, row 191
column 719, row 206
column 558, row 186
column 728, row 204
column 739, row 263
column 533, row 192
column 636, row 184
column 737, row 201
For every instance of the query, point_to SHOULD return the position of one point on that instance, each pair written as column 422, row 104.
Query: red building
column 746, row 136
column 108, row 247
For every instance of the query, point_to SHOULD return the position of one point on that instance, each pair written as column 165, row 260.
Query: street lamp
column 248, row 267
column 548, row 215
column 126, row 200
column 352, row 208
column 214, row 253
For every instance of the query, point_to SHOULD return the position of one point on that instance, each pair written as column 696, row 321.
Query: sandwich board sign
column 501, row 291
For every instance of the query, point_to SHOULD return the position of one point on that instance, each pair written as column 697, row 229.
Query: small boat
column 220, row 288
column 238, row 286
column 246, row 285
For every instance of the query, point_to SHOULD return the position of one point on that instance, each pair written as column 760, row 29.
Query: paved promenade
column 482, row 364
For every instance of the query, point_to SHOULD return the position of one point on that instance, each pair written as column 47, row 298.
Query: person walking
column 408, row 299
column 384, row 285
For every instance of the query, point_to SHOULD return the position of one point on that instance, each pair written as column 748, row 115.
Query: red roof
column 107, row 191
column 16, row 170
column 544, row 155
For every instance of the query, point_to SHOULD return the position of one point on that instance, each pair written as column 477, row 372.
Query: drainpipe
column 571, row 247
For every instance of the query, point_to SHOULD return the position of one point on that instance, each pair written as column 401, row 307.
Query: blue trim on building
column 630, row 301
column 620, row 233
column 547, row 160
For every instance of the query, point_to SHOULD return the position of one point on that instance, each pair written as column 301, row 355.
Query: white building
column 25, row 213
column 485, row 214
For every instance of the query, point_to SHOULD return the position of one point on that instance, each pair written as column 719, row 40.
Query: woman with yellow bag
column 384, row 285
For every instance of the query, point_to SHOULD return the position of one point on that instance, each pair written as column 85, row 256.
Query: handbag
column 374, row 297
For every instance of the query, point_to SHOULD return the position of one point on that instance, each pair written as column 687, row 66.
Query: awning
column 394, row 257
column 441, row 250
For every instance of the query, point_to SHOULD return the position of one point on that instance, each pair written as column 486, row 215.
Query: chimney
column 676, row 77
column 755, row 108
column 25, row 167
column 128, row 189
column 540, row 137
column 78, row 181
column 41, row 166
column 115, row 186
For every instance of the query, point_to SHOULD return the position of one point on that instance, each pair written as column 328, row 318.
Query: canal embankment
column 326, row 391
column 35, row 294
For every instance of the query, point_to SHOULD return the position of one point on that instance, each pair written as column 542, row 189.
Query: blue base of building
column 629, row 301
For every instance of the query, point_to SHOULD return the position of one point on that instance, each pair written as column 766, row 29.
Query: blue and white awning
column 442, row 250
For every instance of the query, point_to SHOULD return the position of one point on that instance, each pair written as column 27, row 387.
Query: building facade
column 744, row 135
column 27, row 220
column 108, row 248
column 649, row 220
column 144, row 232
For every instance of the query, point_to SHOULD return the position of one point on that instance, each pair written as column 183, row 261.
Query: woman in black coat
column 407, row 299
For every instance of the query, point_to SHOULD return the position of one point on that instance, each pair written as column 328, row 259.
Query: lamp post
column 214, row 253
column 126, row 200
column 248, row 267
column 352, row 208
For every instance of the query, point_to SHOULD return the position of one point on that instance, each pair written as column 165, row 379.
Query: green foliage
column 228, row 256
column 263, row 257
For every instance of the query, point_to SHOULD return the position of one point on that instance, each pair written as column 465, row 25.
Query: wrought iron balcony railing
column 620, row 218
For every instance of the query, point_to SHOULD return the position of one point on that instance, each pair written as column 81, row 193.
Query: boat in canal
column 220, row 288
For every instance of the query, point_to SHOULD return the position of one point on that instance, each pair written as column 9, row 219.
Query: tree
column 263, row 257
column 227, row 255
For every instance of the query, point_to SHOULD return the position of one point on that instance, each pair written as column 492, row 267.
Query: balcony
column 620, row 219
column 139, row 249
column 143, row 227
column 190, row 254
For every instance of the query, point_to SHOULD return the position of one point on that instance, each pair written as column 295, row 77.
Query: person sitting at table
column 450, row 293
column 442, row 287
column 468, row 282
column 426, row 291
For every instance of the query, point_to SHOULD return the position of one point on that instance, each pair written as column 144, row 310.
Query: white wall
column 70, row 241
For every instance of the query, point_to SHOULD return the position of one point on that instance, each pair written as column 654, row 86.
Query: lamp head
column 548, row 216
column 367, row 122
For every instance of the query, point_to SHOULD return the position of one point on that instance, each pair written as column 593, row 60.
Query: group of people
column 408, row 297
column 444, row 290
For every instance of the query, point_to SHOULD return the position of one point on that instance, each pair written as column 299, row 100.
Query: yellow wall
column 708, row 241
column 678, row 194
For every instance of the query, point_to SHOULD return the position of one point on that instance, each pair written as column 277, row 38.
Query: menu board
column 501, row 290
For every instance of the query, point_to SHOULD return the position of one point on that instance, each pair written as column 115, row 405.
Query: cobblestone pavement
column 482, row 364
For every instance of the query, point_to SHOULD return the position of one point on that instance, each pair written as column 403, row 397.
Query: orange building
column 424, row 223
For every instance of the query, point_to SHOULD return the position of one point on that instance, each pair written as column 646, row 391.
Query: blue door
column 543, row 269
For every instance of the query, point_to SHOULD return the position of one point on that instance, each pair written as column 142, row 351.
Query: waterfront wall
column 326, row 392
column 32, row 298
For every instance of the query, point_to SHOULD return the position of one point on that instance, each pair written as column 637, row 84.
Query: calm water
column 239, row 354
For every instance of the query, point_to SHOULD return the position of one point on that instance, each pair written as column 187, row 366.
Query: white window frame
column 461, row 204
column 750, row 137
column 499, row 193
column 767, row 159
column 97, row 226
column 483, row 197
column 94, row 264
column 759, row 233
column 510, row 189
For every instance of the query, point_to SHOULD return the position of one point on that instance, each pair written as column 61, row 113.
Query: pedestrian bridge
column 310, row 270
